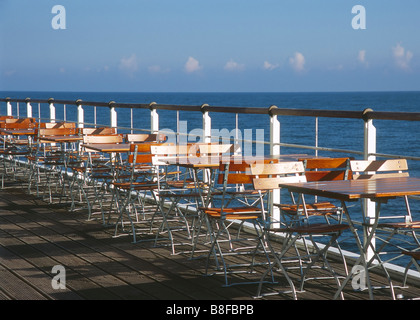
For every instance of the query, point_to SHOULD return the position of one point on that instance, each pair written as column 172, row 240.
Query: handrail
column 272, row 110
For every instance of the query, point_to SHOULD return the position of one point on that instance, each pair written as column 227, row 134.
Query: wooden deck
column 35, row 236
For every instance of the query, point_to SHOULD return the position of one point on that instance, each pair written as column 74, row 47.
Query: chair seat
column 400, row 225
column 413, row 254
column 234, row 213
column 318, row 208
column 136, row 186
column 14, row 152
column 320, row 228
column 180, row 183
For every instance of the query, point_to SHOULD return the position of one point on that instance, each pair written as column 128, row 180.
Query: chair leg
column 289, row 241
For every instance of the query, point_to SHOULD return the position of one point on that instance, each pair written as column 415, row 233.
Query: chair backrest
column 209, row 149
column 169, row 151
column 377, row 169
column 238, row 171
column 140, row 137
column 57, row 125
column 6, row 117
column 18, row 125
column 270, row 175
column 56, row 132
column 96, row 131
column 103, row 138
column 20, row 120
column 326, row 169
column 141, row 153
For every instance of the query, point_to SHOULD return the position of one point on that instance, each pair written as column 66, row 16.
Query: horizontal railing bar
column 291, row 145
column 272, row 110
column 381, row 115
column 396, row 156
column 317, row 113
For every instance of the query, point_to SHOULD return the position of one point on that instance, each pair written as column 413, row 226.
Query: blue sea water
column 393, row 137
column 396, row 137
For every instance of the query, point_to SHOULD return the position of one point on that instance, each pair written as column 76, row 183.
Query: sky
column 209, row 45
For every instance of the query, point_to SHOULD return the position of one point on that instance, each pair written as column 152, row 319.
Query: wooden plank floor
column 36, row 236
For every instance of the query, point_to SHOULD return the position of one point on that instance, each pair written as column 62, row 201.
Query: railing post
column 80, row 114
column 9, row 107
column 28, row 108
column 274, row 151
column 154, row 119
column 206, row 124
column 369, row 149
column 112, row 115
column 52, row 109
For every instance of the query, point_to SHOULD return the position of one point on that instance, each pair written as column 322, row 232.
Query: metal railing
column 366, row 117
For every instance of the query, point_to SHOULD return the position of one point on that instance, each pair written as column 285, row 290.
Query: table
column 61, row 138
column 209, row 164
column 377, row 190
column 17, row 132
column 108, row 147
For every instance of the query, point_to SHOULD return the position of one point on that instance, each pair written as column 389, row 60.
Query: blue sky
column 209, row 45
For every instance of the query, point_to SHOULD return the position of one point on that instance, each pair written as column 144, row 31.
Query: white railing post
column 80, row 114
column 154, row 119
column 9, row 107
column 206, row 124
column 28, row 108
column 274, row 151
column 113, row 115
column 369, row 150
column 52, row 109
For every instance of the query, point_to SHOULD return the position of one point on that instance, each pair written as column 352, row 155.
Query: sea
column 393, row 137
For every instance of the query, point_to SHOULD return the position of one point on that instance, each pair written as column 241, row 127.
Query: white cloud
column 192, row 65
column 268, row 66
column 233, row 66
column 402, row 57
column 361, row 57
column 338, row 67
column 130, row 64
column 297, row 62
column 157, row 69
column 9, row 73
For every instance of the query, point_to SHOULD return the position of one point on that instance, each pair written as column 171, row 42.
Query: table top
column 348, row 190
column 62, row 138
column 108, row 147
column 18, row 132
column 193, row 162
column 215, row 161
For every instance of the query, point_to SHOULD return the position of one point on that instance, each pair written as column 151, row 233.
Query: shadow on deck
column 36, row 236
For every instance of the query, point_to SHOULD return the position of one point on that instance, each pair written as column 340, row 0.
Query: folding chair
column 52, row 157
column 321, row 169
column 268, row 178
column 93, row 172
column 233, row 205
column 179, row 192
column 132, row 184
column 15, row 148
column 414, row 260
column 398, row 230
